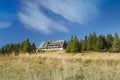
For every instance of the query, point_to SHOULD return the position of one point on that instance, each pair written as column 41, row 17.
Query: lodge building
column 52, row 45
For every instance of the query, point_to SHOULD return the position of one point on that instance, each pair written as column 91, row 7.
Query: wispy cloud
column 6, row 20
column 5, row 24
column 75, row 11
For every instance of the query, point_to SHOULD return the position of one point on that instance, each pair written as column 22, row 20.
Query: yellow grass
column 61, row 66
column 83, row 56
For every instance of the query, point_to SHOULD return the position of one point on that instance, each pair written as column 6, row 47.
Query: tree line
column 24, row 47
column 93, row 42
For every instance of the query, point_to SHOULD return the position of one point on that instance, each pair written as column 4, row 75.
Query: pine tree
column 21, row 46
column 16, row 49
column 94, row 42
column 90, row 42
column 26, row 46
column 84, row 44
column 109, row 40
column 101, row 43
column 0, row 51
column 81, row 44
column 68, row 49
column 33, row 47
column 116, row 43
column 73, row 45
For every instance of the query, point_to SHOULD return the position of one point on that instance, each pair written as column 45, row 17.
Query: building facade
column 52, row 45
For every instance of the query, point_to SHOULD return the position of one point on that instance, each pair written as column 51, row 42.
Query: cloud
column 77, row 11
column 33, row 16
column 6, row 20
column 5, row 24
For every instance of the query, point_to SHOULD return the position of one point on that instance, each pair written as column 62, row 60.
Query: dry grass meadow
column 61, row 66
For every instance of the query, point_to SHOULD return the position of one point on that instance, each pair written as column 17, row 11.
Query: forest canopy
column 93, row 42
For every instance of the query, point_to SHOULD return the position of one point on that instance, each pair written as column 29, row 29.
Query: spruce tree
column 90, row 42
column 116, row 43
column 33, row 47
column 109, row 40
column 84, row 44
column 101, row 43
column 68, row 48
column 81, row 44
column 73, row 45
column 94, row 44
column 26, row 46
column 0, row 51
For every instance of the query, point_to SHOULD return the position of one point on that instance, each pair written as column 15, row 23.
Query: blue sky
column 41, row 20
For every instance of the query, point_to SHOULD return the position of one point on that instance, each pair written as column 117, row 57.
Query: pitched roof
column 52, row 44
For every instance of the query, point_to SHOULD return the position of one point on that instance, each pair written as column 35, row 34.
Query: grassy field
column 60, row 66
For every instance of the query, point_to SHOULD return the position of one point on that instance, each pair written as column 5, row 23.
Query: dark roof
column 52, row 44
